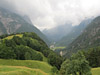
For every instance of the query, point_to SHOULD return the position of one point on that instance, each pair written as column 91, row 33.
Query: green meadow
column 24, row 67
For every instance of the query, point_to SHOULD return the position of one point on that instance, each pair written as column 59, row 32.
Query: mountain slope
column 56, row 33
column 13, row 23
column 76, row 31
column 89, row 38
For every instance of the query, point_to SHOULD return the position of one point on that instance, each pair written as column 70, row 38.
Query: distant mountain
column 56, row 33
column 88, row 39
column 27, row 19
column 13, row 23
column 74, row 33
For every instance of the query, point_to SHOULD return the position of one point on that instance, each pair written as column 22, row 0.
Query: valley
column 49, row 37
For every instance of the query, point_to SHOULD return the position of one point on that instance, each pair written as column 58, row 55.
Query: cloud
column 51, row 13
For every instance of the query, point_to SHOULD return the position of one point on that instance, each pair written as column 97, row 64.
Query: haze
column 46, row 14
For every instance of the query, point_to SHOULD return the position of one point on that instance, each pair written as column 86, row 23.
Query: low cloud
column 51, row 13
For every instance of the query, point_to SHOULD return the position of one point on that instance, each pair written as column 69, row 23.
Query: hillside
column 95, row 71
column 19, row 70
column 27, row 46
column 27, row 67
column 74, row 33
column 89, row 38
column 14, row 23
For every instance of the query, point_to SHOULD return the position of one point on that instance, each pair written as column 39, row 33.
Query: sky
column 46, row 14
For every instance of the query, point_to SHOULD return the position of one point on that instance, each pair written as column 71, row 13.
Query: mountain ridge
column 88, row 39
column 72, row 35
column 13, row 23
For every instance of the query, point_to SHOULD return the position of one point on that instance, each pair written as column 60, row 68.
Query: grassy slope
column 30, row 66
column 10, row 37
column 96, row 71
column 18, row 70
column 24, row 67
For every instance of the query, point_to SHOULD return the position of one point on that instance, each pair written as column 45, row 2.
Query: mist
column 47, row 14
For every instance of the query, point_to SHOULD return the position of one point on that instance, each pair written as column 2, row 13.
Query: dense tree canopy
column 6, row 52
column 93, row 56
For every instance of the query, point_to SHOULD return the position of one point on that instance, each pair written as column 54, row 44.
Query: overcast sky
column 51, row 13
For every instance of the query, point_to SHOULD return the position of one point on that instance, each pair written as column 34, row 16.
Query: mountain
column 14, row 23
column 89, row 38
column 27, row 19
column 74, row 33
column 56, row 33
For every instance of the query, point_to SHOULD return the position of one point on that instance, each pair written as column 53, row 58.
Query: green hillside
column 10, row 37
column 16, row 70
column 21, row 70
column 27, row 46
column 15, row 67
column 95, row 71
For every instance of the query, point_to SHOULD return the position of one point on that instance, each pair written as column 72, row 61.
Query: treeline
column 93, row 56
column 81, row 62
column 27, row 47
